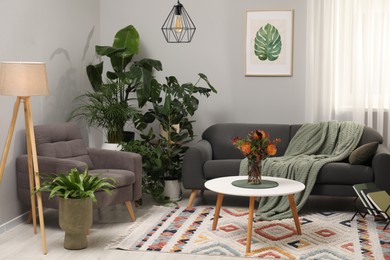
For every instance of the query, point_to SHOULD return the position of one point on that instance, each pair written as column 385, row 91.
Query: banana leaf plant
column 110, row 105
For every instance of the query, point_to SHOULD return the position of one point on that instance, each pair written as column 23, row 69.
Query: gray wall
column 61, row 33
column 217, row 50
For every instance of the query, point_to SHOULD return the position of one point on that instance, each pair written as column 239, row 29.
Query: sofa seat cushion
column 345, row 174
column 122, row 177
column 332, row 173
column 221, row 168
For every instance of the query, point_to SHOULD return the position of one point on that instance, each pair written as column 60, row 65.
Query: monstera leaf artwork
column 268, row 43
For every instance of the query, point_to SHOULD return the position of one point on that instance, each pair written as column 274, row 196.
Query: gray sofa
column 215, row 156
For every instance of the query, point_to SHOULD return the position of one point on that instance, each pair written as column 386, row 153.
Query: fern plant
column 76, row 185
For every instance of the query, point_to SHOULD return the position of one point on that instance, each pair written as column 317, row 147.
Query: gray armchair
column 60, row 148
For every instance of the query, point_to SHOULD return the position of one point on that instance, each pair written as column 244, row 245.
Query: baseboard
column 13, row 223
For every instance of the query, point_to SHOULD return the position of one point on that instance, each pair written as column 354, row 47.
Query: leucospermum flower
column 257, row 145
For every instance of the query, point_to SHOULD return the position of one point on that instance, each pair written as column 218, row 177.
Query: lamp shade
column 23, row 79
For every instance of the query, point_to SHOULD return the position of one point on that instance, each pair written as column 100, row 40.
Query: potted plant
column 172, row 106
column 109, row 105
column 152, row 183
column 76, row 192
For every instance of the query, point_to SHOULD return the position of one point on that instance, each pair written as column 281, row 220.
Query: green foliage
column 268, row 43
column 152, row 183
column 76, row 185
column 104, row 109
column 172, row 104
column 109, row 105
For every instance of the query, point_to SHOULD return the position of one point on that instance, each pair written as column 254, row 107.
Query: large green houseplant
column 76, row 192
column 172, row 106
column 110, row 105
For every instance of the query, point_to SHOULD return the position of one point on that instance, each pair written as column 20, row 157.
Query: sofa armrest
column 108, row 159
column 193, row 161
column 48, row 165
column 381, row 167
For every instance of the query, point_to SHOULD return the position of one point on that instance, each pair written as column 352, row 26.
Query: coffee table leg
column 250, row 223
column 295, row 213
column 217, row 210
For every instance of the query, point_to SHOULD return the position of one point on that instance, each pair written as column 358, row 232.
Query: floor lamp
column 25, row 79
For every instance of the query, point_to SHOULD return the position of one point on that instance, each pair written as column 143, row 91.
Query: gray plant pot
column 75, row 218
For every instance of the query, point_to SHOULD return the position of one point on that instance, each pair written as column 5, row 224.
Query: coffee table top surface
column 224, row 185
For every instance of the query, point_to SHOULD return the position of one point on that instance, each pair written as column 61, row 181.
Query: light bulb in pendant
column 178, row 23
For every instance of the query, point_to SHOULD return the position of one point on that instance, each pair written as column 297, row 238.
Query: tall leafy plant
column 172, row 104
column 109, row 104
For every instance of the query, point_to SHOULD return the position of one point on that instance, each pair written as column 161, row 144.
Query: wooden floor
column 20, row 243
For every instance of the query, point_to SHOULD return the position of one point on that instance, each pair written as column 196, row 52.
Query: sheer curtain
column 348, row 62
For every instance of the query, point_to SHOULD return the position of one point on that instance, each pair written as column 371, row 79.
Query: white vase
column 172, row 190
column 112, row 146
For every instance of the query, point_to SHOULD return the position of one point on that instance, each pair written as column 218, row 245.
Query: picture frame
column 269, row 43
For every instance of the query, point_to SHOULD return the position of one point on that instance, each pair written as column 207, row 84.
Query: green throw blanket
column 312, row 147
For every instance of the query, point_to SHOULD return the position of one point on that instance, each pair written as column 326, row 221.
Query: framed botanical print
column 269, row 43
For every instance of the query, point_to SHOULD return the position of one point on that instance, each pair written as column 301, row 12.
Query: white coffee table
column 224, row 186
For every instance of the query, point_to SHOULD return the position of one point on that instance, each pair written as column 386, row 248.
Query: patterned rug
column 325, row 235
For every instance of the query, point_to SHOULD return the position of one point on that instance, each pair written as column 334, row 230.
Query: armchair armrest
column 381, row 166
column 50, row 165
column 193, row 161
column 108, row 159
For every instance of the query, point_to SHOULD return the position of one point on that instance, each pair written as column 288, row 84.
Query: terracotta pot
column 75, row 218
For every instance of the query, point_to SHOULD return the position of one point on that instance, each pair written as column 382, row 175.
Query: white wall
column 61, row 33
column 217, row 50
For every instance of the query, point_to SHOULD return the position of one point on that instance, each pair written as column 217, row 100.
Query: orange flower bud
column 245, row 148
column 271, row 149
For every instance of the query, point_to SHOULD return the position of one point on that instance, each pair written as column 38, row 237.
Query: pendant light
column 178, row 27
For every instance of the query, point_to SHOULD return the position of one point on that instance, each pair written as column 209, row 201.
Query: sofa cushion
column 220, row 136
column 363, row 153
column 345, row 174
column 221, row 168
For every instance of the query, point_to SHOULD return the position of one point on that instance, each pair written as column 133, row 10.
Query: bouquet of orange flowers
column 257, row 145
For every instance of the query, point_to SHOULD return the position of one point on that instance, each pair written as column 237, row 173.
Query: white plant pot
column 112, row 146
column 173, row 190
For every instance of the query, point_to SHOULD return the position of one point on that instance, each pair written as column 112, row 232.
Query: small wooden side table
column 224, row 186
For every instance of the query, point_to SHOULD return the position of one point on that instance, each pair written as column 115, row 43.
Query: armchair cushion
column 61, row 141
column 122, row 177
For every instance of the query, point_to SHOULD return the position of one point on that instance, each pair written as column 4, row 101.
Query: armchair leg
column 29, row 219
column 130, row 209
column 191, row 199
